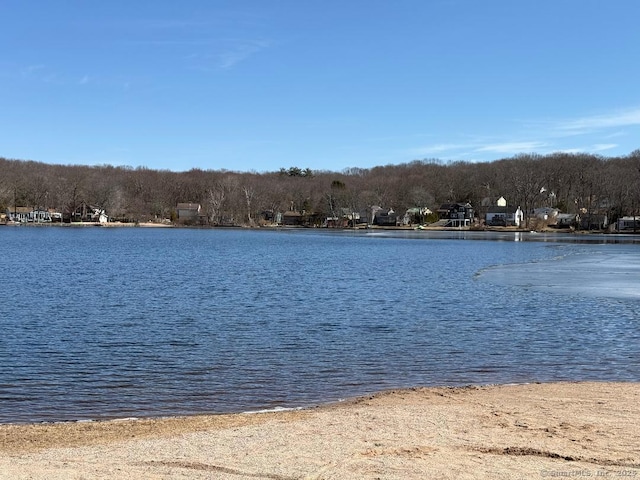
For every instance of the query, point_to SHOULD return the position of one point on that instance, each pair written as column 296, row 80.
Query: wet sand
column 500, row 432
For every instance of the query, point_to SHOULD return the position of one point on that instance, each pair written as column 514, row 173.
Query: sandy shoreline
column 519, row 431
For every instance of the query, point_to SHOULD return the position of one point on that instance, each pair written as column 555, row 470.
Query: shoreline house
column 547, row 214
column 383, row 217
column 18, row 214
column 626, row 224
column 190, row 213
column 346, row 218
column 566, row 220
column 456, row 214
column 86, row 213
column 593, row 221
column 416, row 215
column 40, row 215
column 292, row 218
column 30, row 215
column 503, row 216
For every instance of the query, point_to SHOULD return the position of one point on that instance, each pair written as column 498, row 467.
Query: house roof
column 188, row 206
column 385, row 212
column 20, row 209
column 496, row 209
column 450, row 206
column 552, row 212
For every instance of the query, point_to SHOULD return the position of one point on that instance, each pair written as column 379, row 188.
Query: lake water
column 120, row 322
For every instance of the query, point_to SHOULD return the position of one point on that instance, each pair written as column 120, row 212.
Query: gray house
column 503, row 216
column 457, row 214
column 626, row 224
column 566, row 220
column 385, row 217
column 189, row 212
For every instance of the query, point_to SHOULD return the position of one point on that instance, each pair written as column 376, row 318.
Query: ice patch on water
column 599, row 273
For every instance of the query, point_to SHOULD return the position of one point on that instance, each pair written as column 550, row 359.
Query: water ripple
column 105, row 323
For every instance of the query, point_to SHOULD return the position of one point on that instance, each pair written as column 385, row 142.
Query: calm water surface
column 101, row 323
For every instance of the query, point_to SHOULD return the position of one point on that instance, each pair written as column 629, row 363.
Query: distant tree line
column 572, row 183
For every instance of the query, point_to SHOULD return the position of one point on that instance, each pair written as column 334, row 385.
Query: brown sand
column 555, row 430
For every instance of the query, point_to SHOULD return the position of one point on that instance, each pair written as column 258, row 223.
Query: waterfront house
column 55, row 215
column 30, row 215
column 87, row 213
column 626, row 224
column 333, row 222
column 456, row 214
column 385, row 217
column 269, row 217
column 18, row 214
column 193, row 213
column 188, row 211
column 498, row 216
column 593, row 221
column 566, row 220
column 344, row 219
column 40, row 215
column 416, row 215
column 545, row 213
column 292, row 218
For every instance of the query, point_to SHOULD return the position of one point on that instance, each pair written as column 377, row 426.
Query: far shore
column 583, row 429
column 425, row 228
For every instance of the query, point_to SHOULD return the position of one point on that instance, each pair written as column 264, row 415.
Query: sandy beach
column 513, row 431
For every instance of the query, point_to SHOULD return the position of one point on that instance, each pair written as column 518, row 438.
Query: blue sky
column 263, row 84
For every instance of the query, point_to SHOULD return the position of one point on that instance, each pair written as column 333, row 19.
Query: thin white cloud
column 598, row 147
column 622, row 118
column 44, row 74
column 240, row 53
column 570, row 150
column 230, row 54
column 512, row 147
column 477, row 148
column 615, row 134
column 434, row 149
column 599, row 134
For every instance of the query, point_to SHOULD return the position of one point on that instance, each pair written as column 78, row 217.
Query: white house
column 501, row 215
column 28, row 215
column 39, row 216
column 18, row 214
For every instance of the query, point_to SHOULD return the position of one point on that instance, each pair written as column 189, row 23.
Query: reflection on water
column 102, row 323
